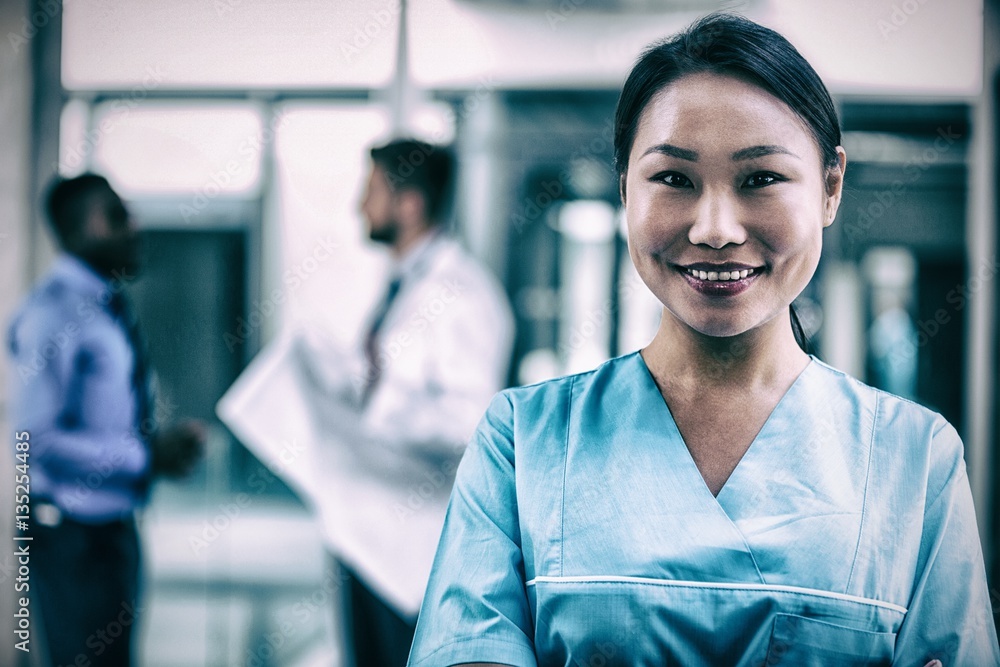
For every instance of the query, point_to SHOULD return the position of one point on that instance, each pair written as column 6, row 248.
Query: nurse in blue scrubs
column 719, row 497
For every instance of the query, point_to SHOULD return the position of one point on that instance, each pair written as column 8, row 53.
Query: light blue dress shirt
column 581, row 532
column 71, row 388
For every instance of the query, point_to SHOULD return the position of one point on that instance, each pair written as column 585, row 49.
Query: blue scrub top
column 581, row 532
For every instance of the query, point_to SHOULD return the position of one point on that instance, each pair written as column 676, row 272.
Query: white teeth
column 715, row 276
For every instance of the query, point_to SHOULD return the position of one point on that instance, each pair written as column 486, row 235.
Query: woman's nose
column 716, row 222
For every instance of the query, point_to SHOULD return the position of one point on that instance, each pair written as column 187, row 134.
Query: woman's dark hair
column 735, row 46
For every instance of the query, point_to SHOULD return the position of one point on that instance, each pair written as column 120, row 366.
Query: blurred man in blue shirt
column 81, row 387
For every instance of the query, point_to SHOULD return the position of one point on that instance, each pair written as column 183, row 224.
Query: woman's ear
column 834, row 186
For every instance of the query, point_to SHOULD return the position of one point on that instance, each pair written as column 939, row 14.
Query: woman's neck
column 767, row 357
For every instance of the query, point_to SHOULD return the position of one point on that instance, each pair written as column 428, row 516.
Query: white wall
column 857, row 46
column 225, row 43
column 908, row 47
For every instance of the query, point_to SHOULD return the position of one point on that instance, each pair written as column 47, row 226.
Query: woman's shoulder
column 547, row 407
column 878, row 400
column 564, row 387
column 897, row 428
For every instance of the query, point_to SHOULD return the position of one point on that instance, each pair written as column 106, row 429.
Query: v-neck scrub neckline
column 790, row 396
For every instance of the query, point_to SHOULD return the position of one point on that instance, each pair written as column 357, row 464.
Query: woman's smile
column 720, row 280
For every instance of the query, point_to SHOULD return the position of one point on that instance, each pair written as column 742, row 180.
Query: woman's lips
column 720, row 280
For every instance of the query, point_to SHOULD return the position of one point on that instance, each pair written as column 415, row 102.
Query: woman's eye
column 673, row 179
column 761, row 180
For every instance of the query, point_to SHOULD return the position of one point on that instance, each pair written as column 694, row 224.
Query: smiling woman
column 720, row 496
column 747, row 191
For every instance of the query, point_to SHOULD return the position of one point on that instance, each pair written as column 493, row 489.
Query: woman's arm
column 950, row 616
column 476, row 610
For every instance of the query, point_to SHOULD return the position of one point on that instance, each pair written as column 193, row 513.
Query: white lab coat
column 378, row 474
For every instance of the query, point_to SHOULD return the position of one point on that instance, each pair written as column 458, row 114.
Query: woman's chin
column 717, row 327
column 721, row 332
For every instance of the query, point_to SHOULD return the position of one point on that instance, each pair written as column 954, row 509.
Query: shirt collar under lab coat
column 415, row 261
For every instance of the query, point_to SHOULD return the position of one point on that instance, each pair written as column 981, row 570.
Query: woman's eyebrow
column 672, row 151
column 760, row 151
column 743, row 154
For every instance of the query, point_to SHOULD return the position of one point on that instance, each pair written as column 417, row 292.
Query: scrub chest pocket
column 807, row 642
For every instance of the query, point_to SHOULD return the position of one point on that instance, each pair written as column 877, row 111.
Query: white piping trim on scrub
column 704, row 584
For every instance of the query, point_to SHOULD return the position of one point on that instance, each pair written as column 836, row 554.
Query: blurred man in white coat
column 398, row 411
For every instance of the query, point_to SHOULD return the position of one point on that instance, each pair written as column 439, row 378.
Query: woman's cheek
column 648, row 237
column 780, row 226
column 641, row 225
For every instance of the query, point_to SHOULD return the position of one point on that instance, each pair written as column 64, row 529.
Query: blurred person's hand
column 178, row 447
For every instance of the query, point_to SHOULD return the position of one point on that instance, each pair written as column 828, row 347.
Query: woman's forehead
column 720, row 110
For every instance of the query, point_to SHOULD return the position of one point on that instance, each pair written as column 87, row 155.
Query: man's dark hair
column 409, row 164
column 69, row 201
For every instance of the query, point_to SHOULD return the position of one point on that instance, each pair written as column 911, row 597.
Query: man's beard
column 386, row 234
column 116, row 258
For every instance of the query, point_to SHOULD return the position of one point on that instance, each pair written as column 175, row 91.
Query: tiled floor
column 234, row 583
